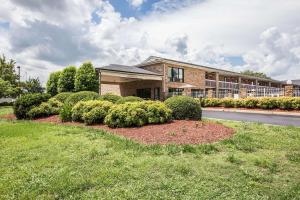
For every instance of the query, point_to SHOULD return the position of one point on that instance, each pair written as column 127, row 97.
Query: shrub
column 65, row 113
column 67, row 79
column 52, row 83
column 98, row 113
column 129, row 99
column 81, row 96
column 110, row 97
column 26, row 102
column 250, row 102
column 211, row 102
column 267, row 103
column 157, row 112
column 286, row 103
column 126, row 115
column 296, row 103
column 62, row 97
column 228, row 102
column 56, row 105
column 184, row 107
column 86, row 78
column 52, row 107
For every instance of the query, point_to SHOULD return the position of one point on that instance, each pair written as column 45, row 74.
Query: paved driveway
column 253, row 117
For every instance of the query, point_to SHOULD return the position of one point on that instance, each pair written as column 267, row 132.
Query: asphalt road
column 253, row 117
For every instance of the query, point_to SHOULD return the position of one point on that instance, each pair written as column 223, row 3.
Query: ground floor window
column 197, row 93
column 175, row 91
column 157, row 93
column 144, row 93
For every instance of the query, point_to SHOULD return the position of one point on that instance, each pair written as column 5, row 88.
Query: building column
column 217, row 84
column 289, row 90
column 270, row 84
column 99, row 74
column 256, row 87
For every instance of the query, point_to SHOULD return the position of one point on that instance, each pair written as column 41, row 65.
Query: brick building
column 158, row 78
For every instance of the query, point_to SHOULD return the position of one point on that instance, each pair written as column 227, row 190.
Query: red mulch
column 177, row 132
column 8, row 116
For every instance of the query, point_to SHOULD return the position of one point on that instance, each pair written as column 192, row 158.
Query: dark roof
column 156, row 59
column 296, row 82
column 127, row 69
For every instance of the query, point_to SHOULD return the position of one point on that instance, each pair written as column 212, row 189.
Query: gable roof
column 127, row 69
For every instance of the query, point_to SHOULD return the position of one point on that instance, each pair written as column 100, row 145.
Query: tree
column 52, row 83
column 6, row 89
column 256, row 74
column 7, row 70
column 86, row 78
column 33, row 85
column 67, row 79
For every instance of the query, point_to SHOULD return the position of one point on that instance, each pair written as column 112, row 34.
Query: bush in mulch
column 52, row 107
column 62, row 97
column 26, row 102
column 184, row 107
column 110, row 97
column 81, row 96
column 129, row 99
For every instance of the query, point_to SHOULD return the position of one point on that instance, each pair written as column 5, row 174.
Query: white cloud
column 136, row 3
column 48, row 35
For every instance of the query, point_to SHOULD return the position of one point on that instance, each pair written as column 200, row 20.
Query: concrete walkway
column 266, row 118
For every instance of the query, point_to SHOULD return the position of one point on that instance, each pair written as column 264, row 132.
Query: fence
column 265, row 92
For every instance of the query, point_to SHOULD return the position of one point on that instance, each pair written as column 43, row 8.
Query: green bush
column 52, row 83
column 81, row 96
column 65, row 113
column 98, row 113
column 110, row 97
column 85, row 106
column 250, row 102
column 157, row 112
column 268, row 103
column 52, row 107
column 211, row 102
column 56, row 105
column 26, row 102
column 129, row 99
column 296, row 103
column 228, row 102
column 126, row 115
column 66, row 80
column 86, row 78
column 62, row 97
column 184, row 107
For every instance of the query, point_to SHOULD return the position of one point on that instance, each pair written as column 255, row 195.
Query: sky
column 43, row 36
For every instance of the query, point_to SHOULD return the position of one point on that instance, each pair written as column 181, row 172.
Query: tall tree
column 52, row 83
column 86, row 78
column 33, row 85
column 67, row 79
column 7, row 70
column 256, row 74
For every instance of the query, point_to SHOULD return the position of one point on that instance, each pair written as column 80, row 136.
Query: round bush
column 250, row 102
column 110, row 97
column 268, row 103
column 228, row 102
column 81, row 96
column 62, row 97
column 26, row 102
column 85, row 106
column 97, row 114
column 211, row 102
column 129, row 99
column 65, row 114
column 42, row 110
column 157, row 112
column 184, row 107
column 126, row 115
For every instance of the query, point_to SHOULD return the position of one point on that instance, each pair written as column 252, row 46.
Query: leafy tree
column 6, row 89
column 52, row 83
column 67, row 79
column 86, row 78
column 7, row 70
column 33, row 85
column 256, row 74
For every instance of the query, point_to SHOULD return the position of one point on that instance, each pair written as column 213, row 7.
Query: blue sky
column 260, row 35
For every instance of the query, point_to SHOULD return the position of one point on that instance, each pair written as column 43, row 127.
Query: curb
column 253, row 112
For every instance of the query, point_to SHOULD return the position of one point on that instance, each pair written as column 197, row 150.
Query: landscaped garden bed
column 175, row 132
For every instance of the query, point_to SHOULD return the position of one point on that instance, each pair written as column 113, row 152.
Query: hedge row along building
column 158, row 78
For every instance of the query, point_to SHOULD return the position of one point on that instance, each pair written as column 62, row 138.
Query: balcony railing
column 210, row 83
column 228, row 85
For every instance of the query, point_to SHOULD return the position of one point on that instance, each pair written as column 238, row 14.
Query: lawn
column 46, row 161
column 4, row 110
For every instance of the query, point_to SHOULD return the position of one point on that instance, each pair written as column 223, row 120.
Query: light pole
column 19, row 74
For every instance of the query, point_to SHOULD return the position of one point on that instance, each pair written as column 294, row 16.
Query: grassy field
column 45, row 161
column 4, row 110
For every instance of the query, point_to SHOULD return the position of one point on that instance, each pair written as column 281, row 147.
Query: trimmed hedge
column 129, row 99
column 65, row 113
column 52, row 107
column 26, row 102
column 137, row 114
column 184, row 107
column 110, row 97
column 284, row 103
column 62, row 97
column 81, row 96
column 98, row 113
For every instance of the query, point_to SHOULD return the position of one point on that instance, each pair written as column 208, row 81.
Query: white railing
column 228, row 85
column 248, row 86
column 266, row 92
column 210, row 83
column 297, row 92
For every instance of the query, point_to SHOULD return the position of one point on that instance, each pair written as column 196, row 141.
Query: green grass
column 4, row 110
column 45, row 161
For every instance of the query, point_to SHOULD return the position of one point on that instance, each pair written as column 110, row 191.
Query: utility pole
column 19, row 74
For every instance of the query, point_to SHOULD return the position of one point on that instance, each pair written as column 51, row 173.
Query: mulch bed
column 8, row 116
column 175, row 132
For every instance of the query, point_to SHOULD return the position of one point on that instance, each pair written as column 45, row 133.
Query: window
column 176, row 74
column 197, row 93
column 175, row 91
column 157, row 93
column 144, row 93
